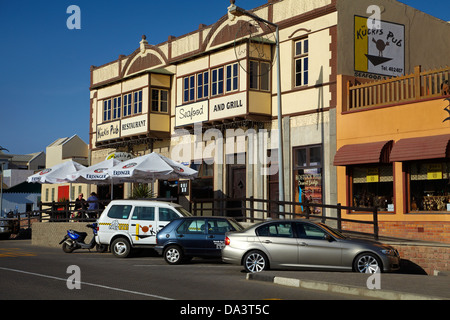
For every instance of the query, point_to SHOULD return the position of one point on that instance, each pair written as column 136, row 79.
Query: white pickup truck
column 128, row 224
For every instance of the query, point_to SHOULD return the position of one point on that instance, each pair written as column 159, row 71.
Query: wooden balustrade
column 416, row 86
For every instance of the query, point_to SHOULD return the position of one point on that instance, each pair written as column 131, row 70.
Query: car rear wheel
column 121, row 248
column 367, row 263
column 255, row 261
column 173, row 255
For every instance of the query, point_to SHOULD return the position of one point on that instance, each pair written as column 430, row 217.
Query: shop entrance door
column 237, row 187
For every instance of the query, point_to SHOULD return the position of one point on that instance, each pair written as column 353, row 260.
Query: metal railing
column 250, row 208
column 242, row 209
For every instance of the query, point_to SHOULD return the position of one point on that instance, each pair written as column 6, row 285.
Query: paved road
column 30, row 272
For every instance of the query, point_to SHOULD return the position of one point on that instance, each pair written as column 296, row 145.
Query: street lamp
column 235, row 11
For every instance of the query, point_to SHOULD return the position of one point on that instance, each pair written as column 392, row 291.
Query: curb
column 339, row 288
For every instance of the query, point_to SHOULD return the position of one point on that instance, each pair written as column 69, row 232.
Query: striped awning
column 423, row 148
column 365, row 153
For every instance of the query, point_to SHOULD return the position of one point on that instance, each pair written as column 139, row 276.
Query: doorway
column 237, row 189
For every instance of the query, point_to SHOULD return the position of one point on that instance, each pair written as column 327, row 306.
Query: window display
column 429, row 186
column 373, row 187
column 308, row 177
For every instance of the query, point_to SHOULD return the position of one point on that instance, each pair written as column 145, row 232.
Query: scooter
column 74, row 240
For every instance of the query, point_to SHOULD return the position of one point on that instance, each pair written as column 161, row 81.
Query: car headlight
column 388, row 252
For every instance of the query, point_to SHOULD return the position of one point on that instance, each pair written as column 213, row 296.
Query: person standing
column 93, row 204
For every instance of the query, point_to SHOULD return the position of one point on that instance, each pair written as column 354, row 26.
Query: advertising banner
column 379, row 51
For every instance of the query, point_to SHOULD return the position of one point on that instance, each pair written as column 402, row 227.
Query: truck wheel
column 121, row 248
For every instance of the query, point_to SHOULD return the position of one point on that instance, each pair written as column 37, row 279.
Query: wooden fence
column 416, row 86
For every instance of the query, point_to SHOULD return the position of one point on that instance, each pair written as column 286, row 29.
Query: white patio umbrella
column 150, row 167
column 95, row 174
column 56, row 174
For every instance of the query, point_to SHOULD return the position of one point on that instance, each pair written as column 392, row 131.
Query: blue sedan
column 188, row 237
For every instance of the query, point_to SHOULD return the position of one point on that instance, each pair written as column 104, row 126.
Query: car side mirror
column 328, row 237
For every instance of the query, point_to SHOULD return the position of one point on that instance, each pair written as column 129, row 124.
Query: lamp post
column 1, row 192
column 1, row 184
column 235, row 11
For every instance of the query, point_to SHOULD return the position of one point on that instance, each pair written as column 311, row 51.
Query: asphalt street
column 29, row 272
column 41, row 273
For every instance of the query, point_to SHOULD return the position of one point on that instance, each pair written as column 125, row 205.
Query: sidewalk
column 393, row 286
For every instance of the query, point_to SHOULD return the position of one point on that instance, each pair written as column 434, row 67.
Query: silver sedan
column 305, row 245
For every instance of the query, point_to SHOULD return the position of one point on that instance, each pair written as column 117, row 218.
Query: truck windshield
column 183, row 212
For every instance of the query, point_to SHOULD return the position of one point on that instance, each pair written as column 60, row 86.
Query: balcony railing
column 416, row 86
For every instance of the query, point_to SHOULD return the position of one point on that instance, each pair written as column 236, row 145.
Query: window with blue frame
column 117, row 106
column 217, row 81
column 127, row 100
column 203, row 85
column 232, row 77
column 138, row 101
column 107, row 110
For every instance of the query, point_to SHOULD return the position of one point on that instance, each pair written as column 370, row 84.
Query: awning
column 434, row 147
column 373, row 152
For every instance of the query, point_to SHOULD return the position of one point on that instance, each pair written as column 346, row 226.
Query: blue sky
column 44, row 77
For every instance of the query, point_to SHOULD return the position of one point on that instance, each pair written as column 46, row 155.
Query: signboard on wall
column 379, row 51
column 107, row 131
column 228, row 106
column 134, row 125
column 191, row 113
column 121, row 128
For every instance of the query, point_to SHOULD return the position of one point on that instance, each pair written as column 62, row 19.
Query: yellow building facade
column 394, row 153
column 209, row 98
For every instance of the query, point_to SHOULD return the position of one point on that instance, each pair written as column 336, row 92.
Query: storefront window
column 373, row 187
column 203, row 186
column 429, row 184
column 308, row 177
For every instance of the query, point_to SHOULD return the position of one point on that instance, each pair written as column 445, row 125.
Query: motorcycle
column 74, row 240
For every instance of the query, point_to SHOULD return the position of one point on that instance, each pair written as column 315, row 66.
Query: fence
column 250, row 209
column 245, row 209
column 415, row 86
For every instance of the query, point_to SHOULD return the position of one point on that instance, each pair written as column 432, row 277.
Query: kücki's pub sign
column 122, row 128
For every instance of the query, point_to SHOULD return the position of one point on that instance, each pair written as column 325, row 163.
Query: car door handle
column 267, row 241
column 180, row 236
column 303, row 244
column 211, row 236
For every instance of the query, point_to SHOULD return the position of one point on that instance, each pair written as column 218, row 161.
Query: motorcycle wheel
column 101, row 248
column 66, row 248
